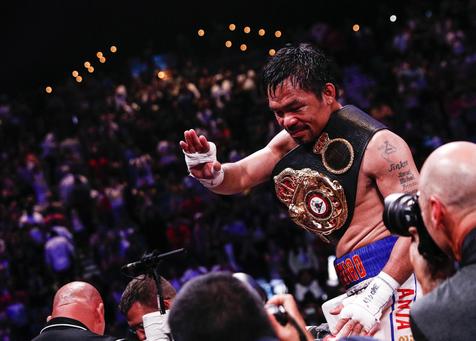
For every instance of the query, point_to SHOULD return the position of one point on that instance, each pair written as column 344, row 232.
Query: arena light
column 356, row 28
column 113, row 49
column 272, row 52
column 261, row 32
column 247, row 29
column 161, row 74
column 75, row 73
column 102, row 60
column 49, row 89
column 99, row 55
column 278, row 34
column 232, row 27
column 201, row 32
column 393, row 18
column 86, row 65
column 79, row 79
column 228, row 43
column 90, row 69
column 243, row 47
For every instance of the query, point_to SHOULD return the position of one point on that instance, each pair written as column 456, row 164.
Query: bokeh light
column 278, row 34
column 228, row 43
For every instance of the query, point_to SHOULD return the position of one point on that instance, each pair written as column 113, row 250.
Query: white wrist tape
column 367, row 306
column 156, row 326
column 195, row 159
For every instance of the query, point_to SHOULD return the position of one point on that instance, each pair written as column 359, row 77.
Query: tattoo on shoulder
column 407, row 180
column 386, row 149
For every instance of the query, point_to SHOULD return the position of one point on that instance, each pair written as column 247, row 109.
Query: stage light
column 113, row 49
column 261, row 32
column 356, row 28
column 278, row 34
column 86, row 65
column 75, row 73
column 161, row 74
column 90, row 69
column 201, row 32
column 393, row 18
column 99, row 54
column 272, row 52
column 49, row 89
column 232, row 27
column 243, row 47
column 228, row 43
column 247, row 29
column 79, row 79
column 102, row 60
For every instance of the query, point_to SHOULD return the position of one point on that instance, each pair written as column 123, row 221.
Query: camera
column 279, row 313
column 401, row 211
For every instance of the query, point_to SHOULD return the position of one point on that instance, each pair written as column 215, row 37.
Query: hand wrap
column 366, row 307
column 195, row 159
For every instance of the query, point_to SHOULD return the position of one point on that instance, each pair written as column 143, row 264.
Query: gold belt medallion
column 315, row 202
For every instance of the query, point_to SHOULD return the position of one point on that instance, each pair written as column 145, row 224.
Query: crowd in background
column 92, row 176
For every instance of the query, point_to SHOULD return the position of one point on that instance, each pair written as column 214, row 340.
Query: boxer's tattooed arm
column 386, row 149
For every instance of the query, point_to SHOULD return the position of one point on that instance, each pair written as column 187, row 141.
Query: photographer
column 447, row 223
column 218, row 306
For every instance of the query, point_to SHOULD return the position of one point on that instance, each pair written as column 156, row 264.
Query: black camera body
column 402, row 211
column 279, row 313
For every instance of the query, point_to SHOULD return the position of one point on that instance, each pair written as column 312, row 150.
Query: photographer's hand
column 289, row 332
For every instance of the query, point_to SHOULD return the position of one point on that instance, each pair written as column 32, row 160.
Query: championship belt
column 315, row 202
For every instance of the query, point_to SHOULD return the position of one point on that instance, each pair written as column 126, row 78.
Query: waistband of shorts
column 365, row 262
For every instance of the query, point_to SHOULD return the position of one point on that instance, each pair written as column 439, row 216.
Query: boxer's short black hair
column 305, row 66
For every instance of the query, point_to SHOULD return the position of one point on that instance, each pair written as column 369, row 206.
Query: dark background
column 42, row 41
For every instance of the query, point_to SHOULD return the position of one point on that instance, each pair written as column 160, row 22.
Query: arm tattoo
column 407, row 181
column 386, row 149
column 398, row 166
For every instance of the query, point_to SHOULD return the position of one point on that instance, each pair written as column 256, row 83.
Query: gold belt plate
column 315, row 202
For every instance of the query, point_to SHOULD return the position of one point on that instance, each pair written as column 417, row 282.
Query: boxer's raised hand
column 200, row 157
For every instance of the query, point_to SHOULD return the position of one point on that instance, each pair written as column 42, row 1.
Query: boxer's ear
column 329, row 93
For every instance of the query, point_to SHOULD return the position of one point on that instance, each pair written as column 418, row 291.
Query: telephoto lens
column 400, row 212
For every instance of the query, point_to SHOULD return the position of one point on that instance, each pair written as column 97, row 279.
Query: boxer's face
column 301, row 113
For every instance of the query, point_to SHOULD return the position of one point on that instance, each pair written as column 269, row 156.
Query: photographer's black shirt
column 448, row 312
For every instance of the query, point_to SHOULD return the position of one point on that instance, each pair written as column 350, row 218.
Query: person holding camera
column 218, row 306
column 447, row 199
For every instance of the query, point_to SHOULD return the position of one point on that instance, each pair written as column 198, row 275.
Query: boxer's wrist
column 218, row 177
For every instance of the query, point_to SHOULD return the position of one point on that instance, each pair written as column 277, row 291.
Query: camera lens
column 400, row 212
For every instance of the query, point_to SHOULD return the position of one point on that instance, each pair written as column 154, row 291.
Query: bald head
column 80, row 301
column 449, row 173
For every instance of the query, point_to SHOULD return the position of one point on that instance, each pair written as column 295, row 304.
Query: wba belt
column 365, row 262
